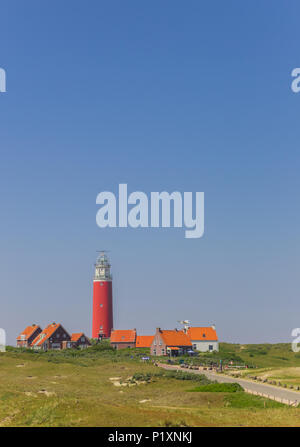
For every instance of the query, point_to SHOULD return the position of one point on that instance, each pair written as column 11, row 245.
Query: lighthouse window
column 101, row 305
column 101, row 327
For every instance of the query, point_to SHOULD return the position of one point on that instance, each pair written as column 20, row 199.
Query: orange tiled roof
column 76, row 336
column 202, row 333
column 175, row 338
column 28, row 332
column 144, row 341
column 126, row 336
column 45, row 334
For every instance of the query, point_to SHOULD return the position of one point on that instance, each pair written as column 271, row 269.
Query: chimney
column 213, row 327
column 158, row 329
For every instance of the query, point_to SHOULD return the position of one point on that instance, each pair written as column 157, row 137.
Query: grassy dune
column 261, row 355
column 95, row 388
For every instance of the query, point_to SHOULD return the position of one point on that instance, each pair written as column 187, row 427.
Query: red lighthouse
column 102, row 299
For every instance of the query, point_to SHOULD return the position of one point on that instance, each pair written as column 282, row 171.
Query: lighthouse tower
column 102, row 298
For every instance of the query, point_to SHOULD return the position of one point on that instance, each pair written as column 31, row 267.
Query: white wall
column 203, row 346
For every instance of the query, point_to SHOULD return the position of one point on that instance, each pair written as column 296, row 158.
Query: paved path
column 272, row 392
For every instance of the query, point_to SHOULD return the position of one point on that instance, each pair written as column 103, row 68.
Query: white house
column 203, row 339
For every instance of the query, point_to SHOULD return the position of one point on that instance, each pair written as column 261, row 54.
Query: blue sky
column 187, row 96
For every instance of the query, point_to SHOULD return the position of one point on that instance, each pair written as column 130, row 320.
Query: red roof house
column 203, row 339
column 26, row 337
column 80, row 340
column 121, row 339
column 144, row 341
column 52, row 337
column 172, row 342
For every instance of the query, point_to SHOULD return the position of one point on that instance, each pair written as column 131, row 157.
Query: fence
column 292, row 403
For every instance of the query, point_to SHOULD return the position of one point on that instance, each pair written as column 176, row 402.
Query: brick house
column 170, row 342
column 144, row 341
column 121, row 339
column 54, row 336
column 26, row 337
column 203, row 339
column 79, row 340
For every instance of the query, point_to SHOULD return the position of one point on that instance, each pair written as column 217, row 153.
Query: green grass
column 244, row 400
column 264, row 355
column 74, row 388
column 218, row 388
column 259, row 355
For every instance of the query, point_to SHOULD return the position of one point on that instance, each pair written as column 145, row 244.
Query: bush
column 142, row 377
column 102, row 346
column 178, row 375
column 182, row 375
column 219, row 388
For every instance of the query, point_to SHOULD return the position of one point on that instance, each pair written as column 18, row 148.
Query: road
column 272, row 392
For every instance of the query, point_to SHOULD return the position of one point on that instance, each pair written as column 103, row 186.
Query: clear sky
column 172, row 95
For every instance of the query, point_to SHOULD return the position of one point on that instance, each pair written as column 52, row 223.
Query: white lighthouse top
column 102, row 268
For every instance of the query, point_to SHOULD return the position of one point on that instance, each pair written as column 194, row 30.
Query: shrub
column 142, row 377
column 219, row 388
column 178, row 375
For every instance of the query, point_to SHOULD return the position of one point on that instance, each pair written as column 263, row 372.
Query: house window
column 56, row 346
column 210, row 347
column 194, row 346
column 204, row 335
column 163, row 352
column 154, row 343
column 160, row 343
column 154, row 351
column 57, row 335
